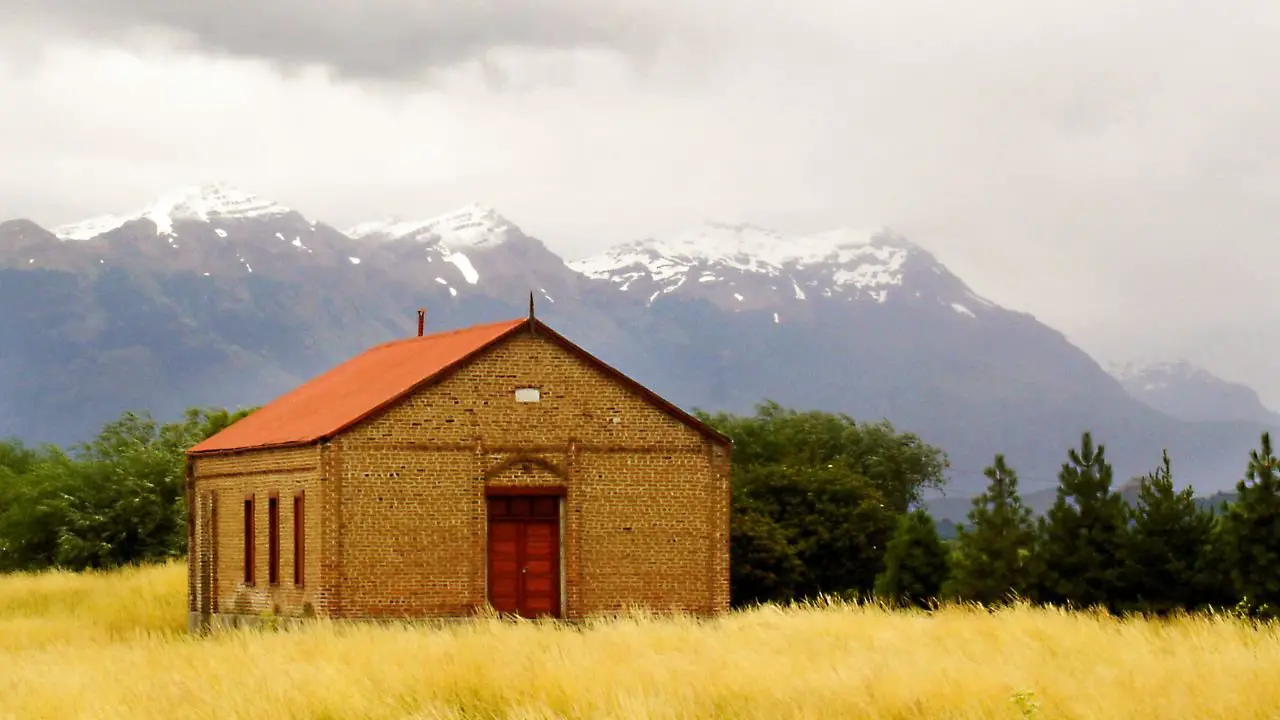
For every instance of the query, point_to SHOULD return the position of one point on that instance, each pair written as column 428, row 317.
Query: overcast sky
column 1111, row 167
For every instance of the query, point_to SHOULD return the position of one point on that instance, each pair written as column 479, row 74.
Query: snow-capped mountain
column 472, row 249
column 220, row 230
column 204, row 203
column 214, row 230
column 1190, row 392
column 747, row 267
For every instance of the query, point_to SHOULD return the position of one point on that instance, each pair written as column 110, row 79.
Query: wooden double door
column 524, row 555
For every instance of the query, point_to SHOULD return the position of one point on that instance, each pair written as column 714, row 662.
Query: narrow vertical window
column 299, row 540
column 248, row 540
column 273, row 539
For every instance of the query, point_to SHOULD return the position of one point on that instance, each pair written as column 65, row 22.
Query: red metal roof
column 351, row 392
column 341, row 397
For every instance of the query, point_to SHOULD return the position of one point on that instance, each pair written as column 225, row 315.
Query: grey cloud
column 364, row 39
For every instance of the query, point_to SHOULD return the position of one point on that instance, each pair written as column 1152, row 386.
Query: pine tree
column 1252, row 533
column 1083, row 534
column 992, row 549
column 915, row 562
column 1170, row 560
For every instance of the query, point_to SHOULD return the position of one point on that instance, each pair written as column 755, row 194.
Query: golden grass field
column 113, row 645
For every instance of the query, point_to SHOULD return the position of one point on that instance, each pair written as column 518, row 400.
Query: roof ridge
column 446, row 333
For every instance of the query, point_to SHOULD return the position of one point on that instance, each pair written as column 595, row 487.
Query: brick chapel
column 494, row 467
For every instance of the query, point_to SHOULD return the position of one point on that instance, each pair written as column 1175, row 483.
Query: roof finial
column 531, row 317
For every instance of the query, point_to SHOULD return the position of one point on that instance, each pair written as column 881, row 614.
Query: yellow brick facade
column 216, row 531
column 396, row 510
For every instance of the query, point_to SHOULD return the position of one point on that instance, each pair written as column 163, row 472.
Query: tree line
column 115, row 500
column 824, row 505
column 821, row 505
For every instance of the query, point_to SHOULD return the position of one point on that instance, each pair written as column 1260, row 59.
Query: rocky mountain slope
column 212, row 295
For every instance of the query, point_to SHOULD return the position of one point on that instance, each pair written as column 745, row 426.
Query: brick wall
column 221, row 485
column 645, row 517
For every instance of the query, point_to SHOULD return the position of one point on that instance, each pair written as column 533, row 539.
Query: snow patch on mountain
column 472, row 226
column 1158, row 375
column 741, row 247
column 196, row 202
column 862, row 259
column 463, row 263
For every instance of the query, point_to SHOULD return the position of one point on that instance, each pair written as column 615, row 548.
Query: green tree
column 1252, row 533
column 897, row 464
column 915, row 563
column 831, row 522
column 814, row 498
column 32, row 510
column 1082, row 536
column 131, row 505
column 117, row 499
column 1172, row 558
column 16, row 458
column 764, row 564
column 993, row 558
column 16, row 461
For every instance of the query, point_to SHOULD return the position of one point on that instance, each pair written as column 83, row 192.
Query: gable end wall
column 644, row 520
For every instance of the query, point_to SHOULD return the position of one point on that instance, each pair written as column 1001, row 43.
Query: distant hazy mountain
column 212, row 295
column 1186, row 391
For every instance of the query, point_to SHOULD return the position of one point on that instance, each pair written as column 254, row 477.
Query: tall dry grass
column 107, row 646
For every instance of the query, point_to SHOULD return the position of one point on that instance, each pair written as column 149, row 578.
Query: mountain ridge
column 216, row 199
column 233, row 307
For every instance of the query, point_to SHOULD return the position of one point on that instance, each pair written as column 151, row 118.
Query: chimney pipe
column 422, row 320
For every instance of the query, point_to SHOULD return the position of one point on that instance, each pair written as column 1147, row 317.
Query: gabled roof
column 372, row 381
